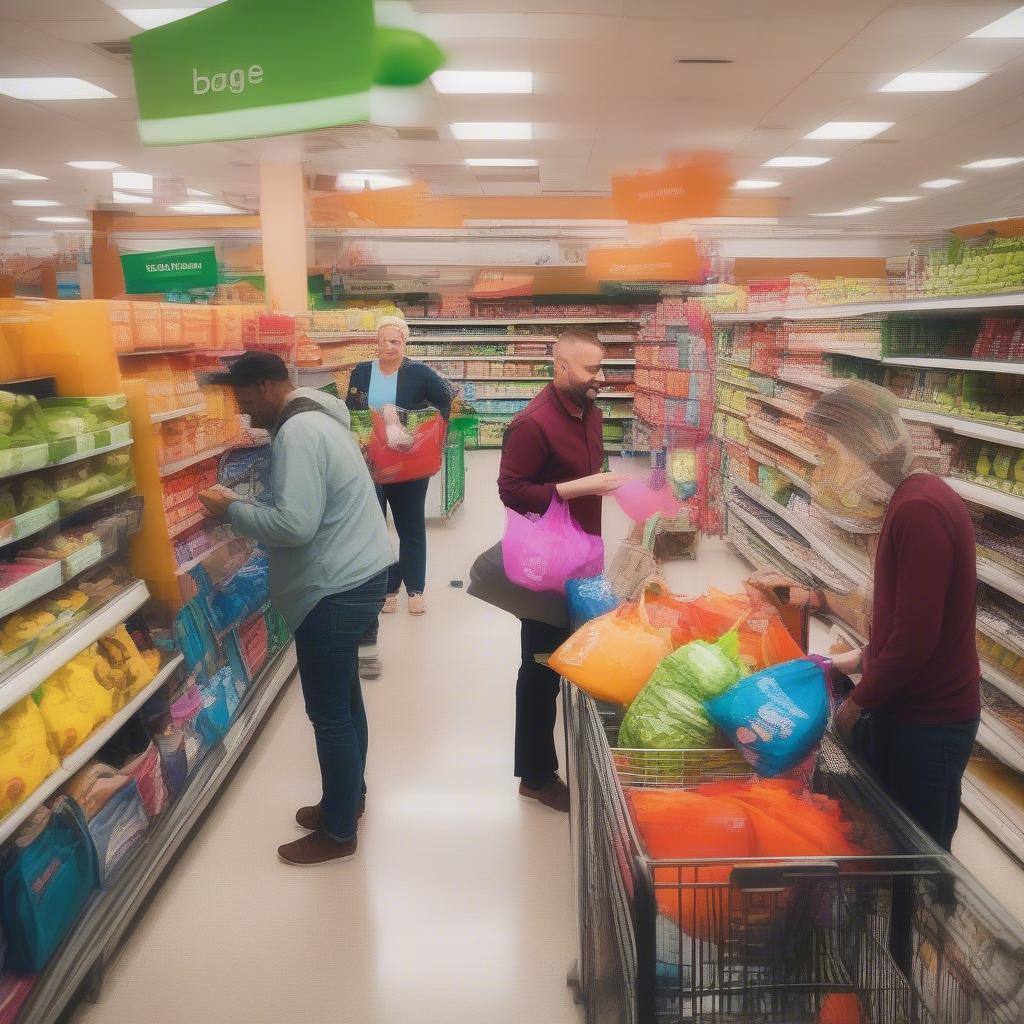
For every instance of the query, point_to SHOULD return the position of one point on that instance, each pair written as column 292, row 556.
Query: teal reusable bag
column 47, row 883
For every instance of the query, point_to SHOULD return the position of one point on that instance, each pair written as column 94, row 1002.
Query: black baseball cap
column 252, row 368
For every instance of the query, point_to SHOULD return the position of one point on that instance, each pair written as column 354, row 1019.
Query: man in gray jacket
column 329, row 554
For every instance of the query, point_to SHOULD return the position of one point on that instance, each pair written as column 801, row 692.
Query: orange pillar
column 283, row 222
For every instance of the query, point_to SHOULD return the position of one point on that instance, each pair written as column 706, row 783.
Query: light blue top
column 383, row 387
column 324, row 531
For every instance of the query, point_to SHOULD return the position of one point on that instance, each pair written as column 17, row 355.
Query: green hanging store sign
column 250, row 68
column 147, row 273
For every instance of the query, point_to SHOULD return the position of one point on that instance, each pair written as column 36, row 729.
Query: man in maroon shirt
column 553, row 448
column 914, row 714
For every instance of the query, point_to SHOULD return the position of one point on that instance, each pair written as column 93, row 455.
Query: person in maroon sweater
column 915, row 712
column 553, row 448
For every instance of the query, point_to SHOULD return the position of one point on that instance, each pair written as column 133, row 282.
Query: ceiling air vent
column 325, row 140
column 119, row 48
column 704, row 60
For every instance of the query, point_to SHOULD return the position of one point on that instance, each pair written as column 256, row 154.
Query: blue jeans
column 407, row 501
column 327, row 648
column 920, row 767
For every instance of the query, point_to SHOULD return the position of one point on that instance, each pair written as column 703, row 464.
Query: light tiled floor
column 458, row 907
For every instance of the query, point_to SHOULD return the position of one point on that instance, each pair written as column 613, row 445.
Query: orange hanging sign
column 694, row 188
column 677, row 260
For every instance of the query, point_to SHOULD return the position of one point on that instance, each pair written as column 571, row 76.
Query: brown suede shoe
column 554, row 795
column 316, row 848
column 309, row 817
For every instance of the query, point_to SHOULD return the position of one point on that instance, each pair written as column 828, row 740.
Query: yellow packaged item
column 26, row 759
column 73, row 704
column 121, row 668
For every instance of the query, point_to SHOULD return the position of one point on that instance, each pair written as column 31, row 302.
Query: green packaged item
column 701, row 669
column 663, row 717
column 98, row 411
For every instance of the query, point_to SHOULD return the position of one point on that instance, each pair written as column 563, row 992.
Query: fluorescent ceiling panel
column 1010, row 26
column 897, row 199
column 501, row 161
column 850, row 130
column 52, row 89
column 993, row 163
column 796, row 161
column 63, row 220
column 133, row 180
column 482, row 82
column 201, row 207
column 154, row 17
column 854, row 211
column 941, row 183
column 13, row 174
column 34, row 202
column 933, row 81
column 755, row 183
column 517, row 131
column 125, row 197
column 94, row 165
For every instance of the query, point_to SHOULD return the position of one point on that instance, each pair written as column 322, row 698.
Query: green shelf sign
column 171, row 270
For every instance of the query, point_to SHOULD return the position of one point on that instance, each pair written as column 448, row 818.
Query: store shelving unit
column 109, row 915
column 176, row 414
column 761, row 546
column 84, row 753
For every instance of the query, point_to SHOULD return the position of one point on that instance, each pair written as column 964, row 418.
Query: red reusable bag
column 421, row 458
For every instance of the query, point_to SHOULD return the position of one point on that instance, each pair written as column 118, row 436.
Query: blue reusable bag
column 219, row 700
column 117, row 828
column 775, row 717
column 48, row 879
column 589, row 598
column 242, row 596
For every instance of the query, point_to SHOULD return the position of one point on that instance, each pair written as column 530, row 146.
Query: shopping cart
column 902, row 934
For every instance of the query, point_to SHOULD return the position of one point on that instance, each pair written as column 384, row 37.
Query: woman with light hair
column 914, row 713
column 390, row 383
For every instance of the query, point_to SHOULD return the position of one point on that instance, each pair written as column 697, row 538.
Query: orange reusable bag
column 612, row 657
column 679, row 825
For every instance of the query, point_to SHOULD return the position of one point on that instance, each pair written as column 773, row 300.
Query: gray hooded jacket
column 324, row 530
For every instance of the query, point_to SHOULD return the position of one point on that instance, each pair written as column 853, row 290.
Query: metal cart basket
column 900, row 935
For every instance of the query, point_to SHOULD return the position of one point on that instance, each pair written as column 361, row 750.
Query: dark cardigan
column 419, row 387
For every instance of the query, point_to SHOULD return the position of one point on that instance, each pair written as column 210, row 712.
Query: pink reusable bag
column 542, row 552
column 640, row 502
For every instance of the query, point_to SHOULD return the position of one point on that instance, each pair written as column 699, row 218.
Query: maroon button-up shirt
column 548, row 444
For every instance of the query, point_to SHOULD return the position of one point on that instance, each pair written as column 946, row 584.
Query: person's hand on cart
column 780, row 589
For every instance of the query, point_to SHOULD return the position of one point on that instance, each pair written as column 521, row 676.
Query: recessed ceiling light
column 64, row 220
column 356, row 181
column 94, row 165
column 517, row 131
column 501, row 161
column 849, row 130
column 993, row 162
column 755, row 183
column 896, row 199
column 854, row 211
column 449, row 81
column 933, row 81
column 125, row 197
column 154, row 17
column 941, row 183
column 796, row 161
column 133, row 181
column 13, row 174
column 34, row 202
column 1010, row 26
column 52, row 89
column 201, row 207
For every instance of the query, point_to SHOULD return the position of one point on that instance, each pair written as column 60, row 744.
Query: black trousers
column 920, row 767
column 536, row 705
